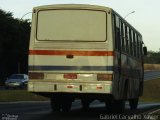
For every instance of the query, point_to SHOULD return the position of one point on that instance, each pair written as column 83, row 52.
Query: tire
column 115, row 106
column 62, row 103
column 55, row 105
column 66, row 106
column 133, row 103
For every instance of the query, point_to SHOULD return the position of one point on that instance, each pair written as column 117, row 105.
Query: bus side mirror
column 145, row 51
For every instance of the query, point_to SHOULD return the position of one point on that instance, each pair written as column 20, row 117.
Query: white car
column 16, row 81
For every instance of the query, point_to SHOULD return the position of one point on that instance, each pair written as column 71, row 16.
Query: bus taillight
column 36, row 75
column 104, row 77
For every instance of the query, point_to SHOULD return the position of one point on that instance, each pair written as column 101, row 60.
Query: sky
column 146, row 18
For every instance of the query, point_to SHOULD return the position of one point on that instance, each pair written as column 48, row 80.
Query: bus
column 85, row 52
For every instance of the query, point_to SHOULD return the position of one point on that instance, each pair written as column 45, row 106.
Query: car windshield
column 16, row 77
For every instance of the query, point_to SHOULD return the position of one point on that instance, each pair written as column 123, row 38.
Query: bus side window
column 132, row 36
column 138, row 46
column 117, row 33
column 122, row 36
column 130, row 40
column 133, row 41
column 141, row 49
column 126, row 39
column 135, row 44
column 114, row 30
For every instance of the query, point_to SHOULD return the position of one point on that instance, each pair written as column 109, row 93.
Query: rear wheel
column 115, row 106
column 133, row 103
column 61, row 103
column 55, row 105
column 66, row 105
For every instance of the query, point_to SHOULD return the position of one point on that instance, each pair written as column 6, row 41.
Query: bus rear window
column 71, row 25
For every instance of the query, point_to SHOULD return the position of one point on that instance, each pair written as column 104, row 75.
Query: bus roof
column 81, row 6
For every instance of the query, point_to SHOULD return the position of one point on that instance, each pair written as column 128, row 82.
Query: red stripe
column 68, row 52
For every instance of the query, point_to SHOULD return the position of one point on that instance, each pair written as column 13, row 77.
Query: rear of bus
column 71, row 51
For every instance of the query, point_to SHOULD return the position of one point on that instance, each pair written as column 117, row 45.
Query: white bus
column 85, row 52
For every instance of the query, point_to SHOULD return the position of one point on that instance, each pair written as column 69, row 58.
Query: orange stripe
column 67, row 52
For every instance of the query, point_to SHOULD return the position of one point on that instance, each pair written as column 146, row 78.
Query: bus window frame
column 71, row 40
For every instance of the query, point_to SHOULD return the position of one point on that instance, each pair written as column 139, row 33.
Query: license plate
column 70, row 76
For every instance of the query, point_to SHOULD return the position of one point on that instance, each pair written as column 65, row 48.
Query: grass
column 19, row 95
column 152, row 66
column 151, row 91
column 151, row 94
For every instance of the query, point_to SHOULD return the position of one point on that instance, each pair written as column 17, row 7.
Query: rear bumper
column 14, row 85
column 70, row 87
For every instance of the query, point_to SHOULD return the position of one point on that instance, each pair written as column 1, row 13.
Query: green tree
column 14, row 40
column 152, row 57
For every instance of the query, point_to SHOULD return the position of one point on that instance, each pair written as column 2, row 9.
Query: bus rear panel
column 70, row 50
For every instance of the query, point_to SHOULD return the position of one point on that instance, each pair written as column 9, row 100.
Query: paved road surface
column 42, row 111
column 148, row 75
